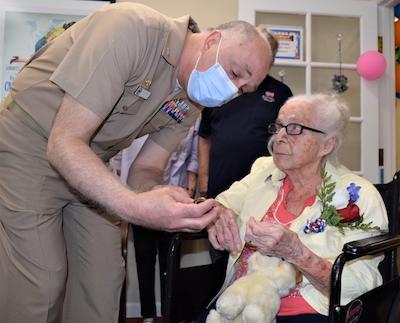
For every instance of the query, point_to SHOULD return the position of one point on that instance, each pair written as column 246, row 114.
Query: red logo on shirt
column 269, row 96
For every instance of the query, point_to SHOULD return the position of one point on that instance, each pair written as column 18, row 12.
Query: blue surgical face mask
column 212, row 87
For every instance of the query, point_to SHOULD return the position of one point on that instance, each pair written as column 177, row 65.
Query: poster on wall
column 290, row 42
column 26, row 26
column 24, row 34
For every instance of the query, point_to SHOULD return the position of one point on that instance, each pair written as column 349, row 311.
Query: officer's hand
column 170, row 208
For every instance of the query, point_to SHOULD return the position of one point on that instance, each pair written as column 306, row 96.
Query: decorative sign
column 290, row 42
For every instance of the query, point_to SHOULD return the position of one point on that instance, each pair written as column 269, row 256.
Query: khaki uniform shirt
column 110, row 61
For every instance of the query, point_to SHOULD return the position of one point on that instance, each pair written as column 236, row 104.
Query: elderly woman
column 283, row 208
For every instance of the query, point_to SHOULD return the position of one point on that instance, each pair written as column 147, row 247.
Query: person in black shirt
column 235, row 135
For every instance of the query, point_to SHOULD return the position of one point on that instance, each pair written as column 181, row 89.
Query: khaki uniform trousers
column 60, row 260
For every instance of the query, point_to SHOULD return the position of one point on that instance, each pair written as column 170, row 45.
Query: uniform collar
column 176, row 38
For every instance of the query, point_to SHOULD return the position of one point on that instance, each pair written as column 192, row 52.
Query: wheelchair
column 381, row 304
column 189, row 290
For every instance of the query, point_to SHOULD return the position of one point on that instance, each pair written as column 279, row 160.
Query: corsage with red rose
column 333, row 214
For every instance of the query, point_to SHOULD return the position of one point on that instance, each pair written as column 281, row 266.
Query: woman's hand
column 223, row 232
column 276, row 240
column 273, row 240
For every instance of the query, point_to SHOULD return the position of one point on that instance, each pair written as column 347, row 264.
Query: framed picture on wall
column 25, row 27
column 290, row 42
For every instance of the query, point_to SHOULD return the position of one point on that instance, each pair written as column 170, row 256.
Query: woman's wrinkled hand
column 273, row 240
column 223, row 232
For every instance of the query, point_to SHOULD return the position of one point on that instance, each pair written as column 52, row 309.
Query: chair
column 189, row 290
column 381, row 304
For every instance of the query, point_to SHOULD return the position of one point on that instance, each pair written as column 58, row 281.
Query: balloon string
column 340, row 52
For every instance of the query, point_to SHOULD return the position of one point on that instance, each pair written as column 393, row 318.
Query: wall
column 201, row 11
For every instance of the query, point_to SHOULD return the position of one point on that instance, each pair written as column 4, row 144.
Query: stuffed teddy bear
column 255, row 297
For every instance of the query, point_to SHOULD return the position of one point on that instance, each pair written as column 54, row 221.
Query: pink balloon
column 371, row 65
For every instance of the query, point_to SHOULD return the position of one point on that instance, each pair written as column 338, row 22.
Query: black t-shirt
column 238, row 132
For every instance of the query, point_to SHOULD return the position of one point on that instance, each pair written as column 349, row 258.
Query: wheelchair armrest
column 182, row 236
column 371, row 246
column 353, row 250
column 173, row 262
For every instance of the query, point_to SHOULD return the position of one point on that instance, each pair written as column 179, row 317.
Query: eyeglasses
column 291, row 128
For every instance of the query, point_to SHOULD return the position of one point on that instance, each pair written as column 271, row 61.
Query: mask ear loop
column 219, row 45
column 216, row 58
column 197, row 62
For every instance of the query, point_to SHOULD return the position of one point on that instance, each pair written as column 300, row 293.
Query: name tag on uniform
column 143, row 93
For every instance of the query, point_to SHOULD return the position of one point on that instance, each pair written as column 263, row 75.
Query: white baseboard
column 133, row 309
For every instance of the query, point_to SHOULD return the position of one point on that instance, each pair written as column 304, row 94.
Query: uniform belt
column 25, row 117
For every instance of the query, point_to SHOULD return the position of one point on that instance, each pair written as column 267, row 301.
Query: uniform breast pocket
column 129, row 103
column 131, row 109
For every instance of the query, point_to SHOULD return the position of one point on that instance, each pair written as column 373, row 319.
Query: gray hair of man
column 244, row 30
column 332, row 114
column 272, row 40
